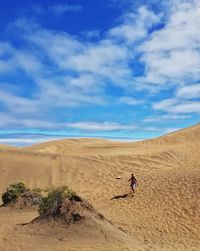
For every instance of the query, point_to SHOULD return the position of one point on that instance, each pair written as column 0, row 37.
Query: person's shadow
column 121, row 196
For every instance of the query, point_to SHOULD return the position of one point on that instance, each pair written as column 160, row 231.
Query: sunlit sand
column 163, row 214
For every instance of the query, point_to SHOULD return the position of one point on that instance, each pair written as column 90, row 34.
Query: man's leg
column 134, row 188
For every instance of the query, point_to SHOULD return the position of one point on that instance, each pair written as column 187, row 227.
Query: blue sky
column 109, row 68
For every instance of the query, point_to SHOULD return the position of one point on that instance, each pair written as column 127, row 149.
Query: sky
column 127, row 69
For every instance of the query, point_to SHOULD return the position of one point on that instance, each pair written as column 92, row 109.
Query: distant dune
column 6, row 147
column 163, row 215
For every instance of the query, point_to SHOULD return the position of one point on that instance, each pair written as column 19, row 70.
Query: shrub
column 19, row 186
column 53, row 201
column 29, row 198
column 13, row 192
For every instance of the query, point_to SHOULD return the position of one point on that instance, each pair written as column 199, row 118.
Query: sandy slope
column 4, row 147
column 163, row 215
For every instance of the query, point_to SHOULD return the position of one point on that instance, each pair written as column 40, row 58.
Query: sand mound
column 64, row 208
column 70, row 211
column 76, row 223
column 28, row 199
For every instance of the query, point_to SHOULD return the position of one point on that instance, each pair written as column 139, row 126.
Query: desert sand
column 164, row 214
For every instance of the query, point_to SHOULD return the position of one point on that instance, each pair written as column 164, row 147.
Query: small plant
column 53, row 201
column 13, row 192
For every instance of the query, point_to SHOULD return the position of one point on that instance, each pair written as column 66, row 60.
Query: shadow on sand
column 121, row 196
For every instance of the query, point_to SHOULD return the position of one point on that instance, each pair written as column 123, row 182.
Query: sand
column 164, row 214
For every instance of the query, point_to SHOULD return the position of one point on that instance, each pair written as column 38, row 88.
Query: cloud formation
column 148, row 59
column 135, row 26
column 100, row 126
column 171, row 54
column 189, row 92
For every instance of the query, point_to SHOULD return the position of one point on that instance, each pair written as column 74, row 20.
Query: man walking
column 134, row 183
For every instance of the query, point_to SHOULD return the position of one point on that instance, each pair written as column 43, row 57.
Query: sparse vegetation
column 19, row 195
column 55, row 197
column 61, row 202
column 13, row 192
column 58, row 203
column 28, row 199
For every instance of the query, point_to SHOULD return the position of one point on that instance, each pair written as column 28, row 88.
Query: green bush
column 55, row 196
column 13, row 192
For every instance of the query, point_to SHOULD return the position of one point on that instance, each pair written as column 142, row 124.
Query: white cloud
column 189, row 92
column 66, row 53
column 62, row 48
column 172, row 68
column 94, row 63
column 130, row 101
column 171, row 55
column 187, row 107
column 135, row 26
column 28, row 62
column 177, row 106
column 185, row 101
column 12, row 59
column 60, row 9
column 69, row 91
column 100, row 126
column 17, row 103
column 54, row 86
column 166, row 117
column 12, row 120
column 100, row 56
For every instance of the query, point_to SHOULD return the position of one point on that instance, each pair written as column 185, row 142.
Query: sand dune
column 5, row 147
column 163, row 215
